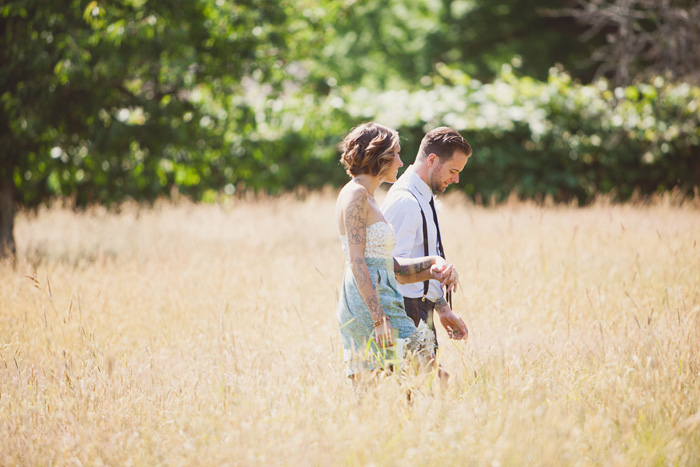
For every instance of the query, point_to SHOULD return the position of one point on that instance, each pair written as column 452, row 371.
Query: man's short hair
column 443, row 142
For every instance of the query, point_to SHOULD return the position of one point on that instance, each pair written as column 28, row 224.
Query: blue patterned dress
column 360, row 351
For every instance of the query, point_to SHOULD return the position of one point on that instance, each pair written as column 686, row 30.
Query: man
column 410, row 209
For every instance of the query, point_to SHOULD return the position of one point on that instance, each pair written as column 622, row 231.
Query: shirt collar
column 418, row 184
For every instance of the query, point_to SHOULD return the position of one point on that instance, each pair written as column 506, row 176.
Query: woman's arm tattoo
column 356, row 229
column 374, row 307
column 356, row 220
column 359, row 272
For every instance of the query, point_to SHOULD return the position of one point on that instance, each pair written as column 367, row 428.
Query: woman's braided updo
column 369, row 149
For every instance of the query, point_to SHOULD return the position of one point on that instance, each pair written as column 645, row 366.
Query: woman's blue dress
column 360, row 351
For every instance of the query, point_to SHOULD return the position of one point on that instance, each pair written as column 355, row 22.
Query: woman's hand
column 384, row 334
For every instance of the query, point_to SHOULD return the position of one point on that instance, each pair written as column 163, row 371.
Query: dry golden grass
column 206, row 335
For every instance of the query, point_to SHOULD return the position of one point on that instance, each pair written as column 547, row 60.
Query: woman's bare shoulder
column 351, row 197
column 351, row 192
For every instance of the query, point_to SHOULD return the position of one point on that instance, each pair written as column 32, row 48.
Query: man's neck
column 421, row 170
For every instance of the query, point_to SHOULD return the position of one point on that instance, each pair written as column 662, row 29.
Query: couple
column 399, row 243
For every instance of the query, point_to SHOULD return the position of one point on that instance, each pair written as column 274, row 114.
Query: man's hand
column 452, row 323
column 445, row 273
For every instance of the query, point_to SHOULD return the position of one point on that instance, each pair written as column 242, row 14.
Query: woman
column 371, row 313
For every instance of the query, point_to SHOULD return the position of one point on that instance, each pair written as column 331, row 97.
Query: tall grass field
column 205, row 335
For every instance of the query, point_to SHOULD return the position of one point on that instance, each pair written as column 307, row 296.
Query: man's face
column 442, row 175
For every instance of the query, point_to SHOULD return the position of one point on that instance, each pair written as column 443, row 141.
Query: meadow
column 204, row 334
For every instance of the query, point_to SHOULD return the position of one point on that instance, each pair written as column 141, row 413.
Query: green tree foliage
column 102, row 100
column 480, row 35
column 393, row 43
column 376, row 43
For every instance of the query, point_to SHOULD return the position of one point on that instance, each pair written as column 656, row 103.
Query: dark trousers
column 421, row 310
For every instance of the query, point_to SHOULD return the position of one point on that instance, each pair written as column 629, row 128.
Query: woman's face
column 396, row 163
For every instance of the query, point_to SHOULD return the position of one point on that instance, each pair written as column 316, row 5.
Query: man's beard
column 436, row 185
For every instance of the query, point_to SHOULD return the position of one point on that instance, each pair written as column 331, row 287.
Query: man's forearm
column 407, row 266
column 410, row 270
column 441, row 305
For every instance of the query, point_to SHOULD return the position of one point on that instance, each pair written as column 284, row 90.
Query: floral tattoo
column 356, row 220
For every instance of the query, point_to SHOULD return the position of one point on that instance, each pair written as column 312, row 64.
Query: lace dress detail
column 380, row 241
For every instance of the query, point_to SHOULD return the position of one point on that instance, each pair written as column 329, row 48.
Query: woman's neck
column 369, row 182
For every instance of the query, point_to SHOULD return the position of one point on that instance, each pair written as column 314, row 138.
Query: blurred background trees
column 103, row 101
column 644, row 38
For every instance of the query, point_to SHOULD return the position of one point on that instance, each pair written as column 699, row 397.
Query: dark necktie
column 441, row 250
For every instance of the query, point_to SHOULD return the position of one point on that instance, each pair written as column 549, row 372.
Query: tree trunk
column 7, row 218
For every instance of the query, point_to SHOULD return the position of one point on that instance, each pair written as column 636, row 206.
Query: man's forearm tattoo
column 441, row 305
column 412, row 267
column 356, row 219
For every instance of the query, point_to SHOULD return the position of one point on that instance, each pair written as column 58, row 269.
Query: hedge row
column 533, row 138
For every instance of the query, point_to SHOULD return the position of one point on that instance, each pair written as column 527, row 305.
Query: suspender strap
column 425, row 240
column 425, row 247
column 441, row 249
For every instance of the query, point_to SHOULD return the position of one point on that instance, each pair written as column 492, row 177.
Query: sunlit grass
column 206, row 335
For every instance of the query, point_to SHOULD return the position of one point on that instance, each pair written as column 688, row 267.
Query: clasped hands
column 446, row 273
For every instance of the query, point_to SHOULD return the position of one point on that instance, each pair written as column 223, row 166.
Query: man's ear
column 432, row 159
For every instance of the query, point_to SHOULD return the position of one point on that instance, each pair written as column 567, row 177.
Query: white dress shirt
column 401, row 210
